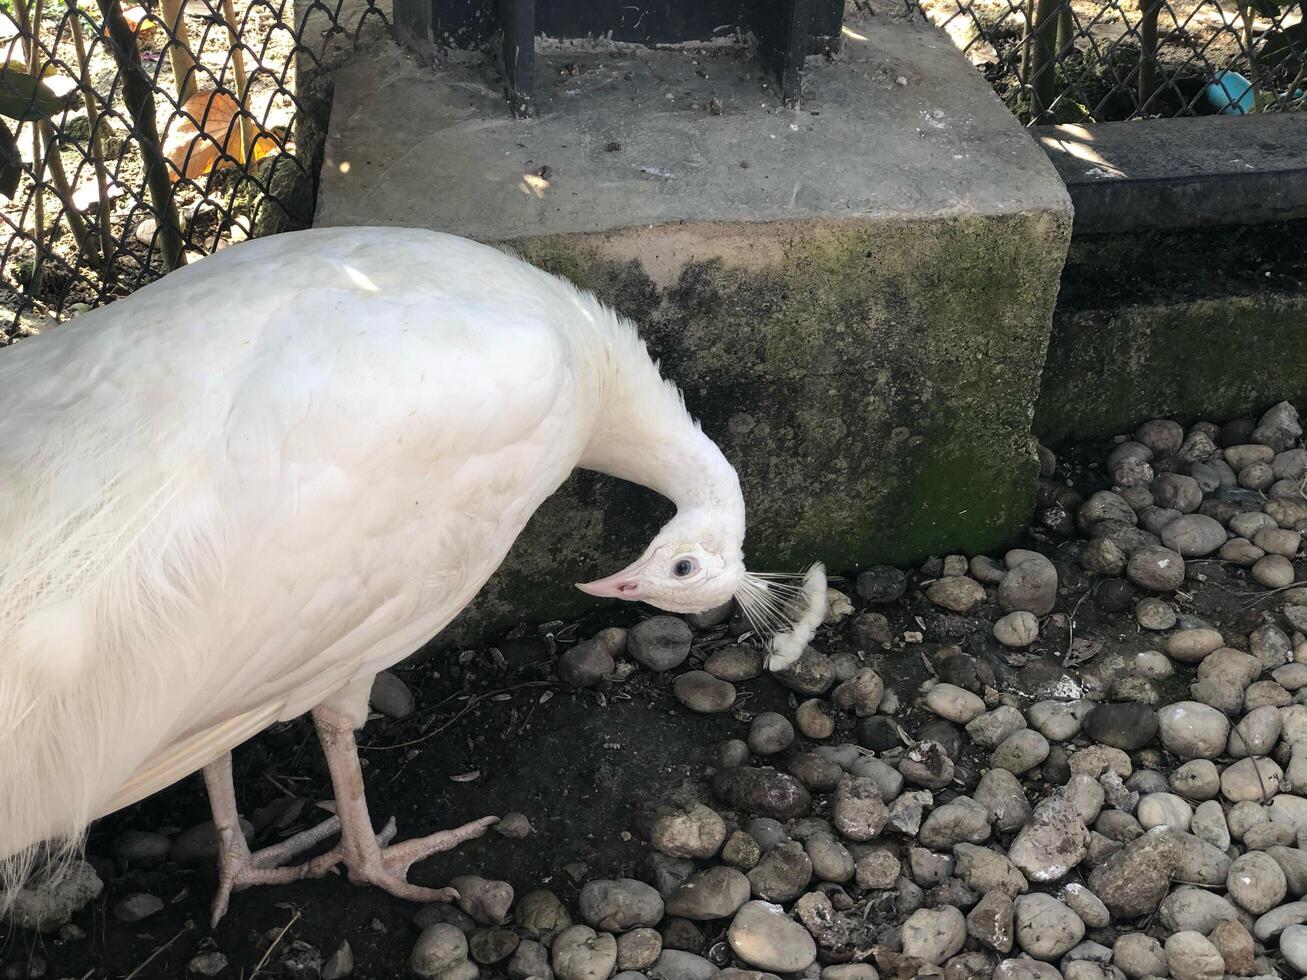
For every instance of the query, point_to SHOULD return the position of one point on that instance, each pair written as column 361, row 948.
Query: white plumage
column 238, row 494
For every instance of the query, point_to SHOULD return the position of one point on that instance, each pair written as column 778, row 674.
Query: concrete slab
column 897, row 126
column 856, row 295
column 1182, row 173
column 1213, row 358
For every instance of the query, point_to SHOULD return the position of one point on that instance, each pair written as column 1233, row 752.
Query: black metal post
column 782, row 33
column 517, row 21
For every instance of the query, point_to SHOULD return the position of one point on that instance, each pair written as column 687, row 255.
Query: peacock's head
column 694, row 564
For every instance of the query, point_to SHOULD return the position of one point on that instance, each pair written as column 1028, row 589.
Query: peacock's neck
column 644, row 434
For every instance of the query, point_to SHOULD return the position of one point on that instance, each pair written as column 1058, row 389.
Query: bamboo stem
column 1065, row 29
column 1028, row 14
column 179, row 48
column 1148, row 53
column 1247, row 13
column 242, row 85
column 1043, row 61
column 38, row 217
column 38, row 196
column 95, row 141
column 45, row 146
column 138, row 96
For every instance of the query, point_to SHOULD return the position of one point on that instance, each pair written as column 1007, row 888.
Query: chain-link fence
column 136, row 138
column 1074, row 61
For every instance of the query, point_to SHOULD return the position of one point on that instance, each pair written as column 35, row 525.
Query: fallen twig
column 273, row 945
column 159, row 949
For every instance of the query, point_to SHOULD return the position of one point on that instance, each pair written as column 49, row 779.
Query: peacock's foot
column 239, row 868
column 387, row 867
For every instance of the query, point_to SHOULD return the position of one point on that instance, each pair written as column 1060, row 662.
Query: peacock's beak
column 624, row 585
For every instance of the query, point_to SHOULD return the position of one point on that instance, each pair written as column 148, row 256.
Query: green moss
column 622, row 285
column 1210, row 359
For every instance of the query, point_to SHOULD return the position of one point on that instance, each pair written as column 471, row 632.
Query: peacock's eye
column 684, row 567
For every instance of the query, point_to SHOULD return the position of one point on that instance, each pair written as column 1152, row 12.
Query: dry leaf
column 136, row 18
column 1082, row 650
column 208, row 127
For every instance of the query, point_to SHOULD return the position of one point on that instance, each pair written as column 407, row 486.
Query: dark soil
column 582, row 765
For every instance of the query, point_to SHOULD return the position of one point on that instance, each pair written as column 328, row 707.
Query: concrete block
column 1213, row 358
column 1182, row 173
column 855, row 295
column 1193, row 323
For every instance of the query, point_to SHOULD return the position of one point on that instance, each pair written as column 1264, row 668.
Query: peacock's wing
column 250, row 483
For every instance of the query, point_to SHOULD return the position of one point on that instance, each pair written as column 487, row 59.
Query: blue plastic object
column 1231, row 94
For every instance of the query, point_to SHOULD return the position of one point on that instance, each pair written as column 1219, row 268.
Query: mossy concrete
column 1213, row 358
column 858, row 438
column 1202, row 323
column 858, row 315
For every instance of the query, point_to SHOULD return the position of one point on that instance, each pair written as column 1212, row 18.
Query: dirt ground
column 583, row 765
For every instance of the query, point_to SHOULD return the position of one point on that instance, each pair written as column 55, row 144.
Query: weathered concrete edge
column 1108, row 370
column 1182, row 173
column 663, row 249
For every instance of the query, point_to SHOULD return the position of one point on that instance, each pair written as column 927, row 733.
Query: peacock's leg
column 238, row 867
column 366, row 858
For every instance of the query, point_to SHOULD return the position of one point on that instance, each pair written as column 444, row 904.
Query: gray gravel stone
column 1193, row 730
column 1293, row 947
column 989, row 729
column 764, row 937
column 782, row 874
column 1045, row 928
column 1193, row 535
column 1163, row 810
column 541, row 915
column 1252, row 779
column 487, row 902
column 927, row 764
column 580, row 953
column 1156, row 568
column 531, row 959
column 715, row 893
column 933, row 935
column 1021, row 752
column 440, row 947
column 44, row 906
column 770, row 733
column 831, row 860
column 1153, row 613
column 1126, row 726
column 960, row 820
column 1001, row 793
column 1017, row 629
column 1176, row 491
column 990, row 921
column 1053, row 842
column 1191, row 956
column 1133, row 881
column 1031, row 583
column 660, row 643
column 137, row 906
column 694, row 833
column 703, row 693
column 620, row 904
column 1274, row 572
column 1189, row 908
column 391, row 696
column 1256, row 882
column 958, row 594
column 954, row 703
